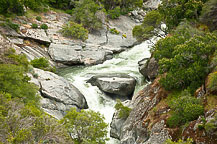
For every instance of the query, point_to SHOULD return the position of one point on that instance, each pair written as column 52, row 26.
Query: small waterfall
column 125, row 62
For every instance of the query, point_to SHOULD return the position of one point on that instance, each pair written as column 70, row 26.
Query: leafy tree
column 87, row 127
column 27, row 124
column 60, row 4
column 185, row 59
column 85, row 13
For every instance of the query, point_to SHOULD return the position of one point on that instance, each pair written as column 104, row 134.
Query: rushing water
column 125, row 62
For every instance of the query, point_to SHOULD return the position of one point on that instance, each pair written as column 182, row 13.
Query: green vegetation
column 189, row 141
column 11, row 25
column 75, row 31
column 38, row 18
column 34, row 26
column 85, row 13
column 43, row 64
column 114, row 31
column 208, row 15
column 44, row 26
column 123, row 111
column 114, row 13
column 86, row 126
column 212, row 84
column 27, row 124
column 211, row 126
column 150, row 26
column 184, row 108
column 184, row 57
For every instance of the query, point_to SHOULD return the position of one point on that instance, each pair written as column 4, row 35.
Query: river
column 125, row 62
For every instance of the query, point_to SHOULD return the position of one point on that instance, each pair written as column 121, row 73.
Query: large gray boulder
column 148, row 67
column 58, row 94
column 117, row 122
column 76, row 54
column 117, row 84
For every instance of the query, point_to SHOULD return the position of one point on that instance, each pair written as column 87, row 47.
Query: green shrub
column 211, row 126
column 60, row 4
column 8, row 23
column 44, row 26
column 123, row 111
column 184, row 109
column 212, row 84
column 88, row 127
column 189, row 141
column 38, row 18
column 114, row 31
column 40, row 63
column 85, row 13
column 150, row 26
column 34, row 26
column 114, row 13
column 209, row 14
column 74, row 30
column 184, row 57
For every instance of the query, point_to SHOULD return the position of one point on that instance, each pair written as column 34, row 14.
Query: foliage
column 86, row 126
column 211, row 126
column 75, row 31
column 60, row 4
column 150, row 27
column 174, row 11
column 27, row 124
column 114, row 13
column 184, row 108
column 9, row 24
column 34, row 26
column 13, row 81
column 85, row 13
column 124, row 111
column 112, row 4
column 208, row 15
column 114, row 31
column 42, row 63
column 38, row 18
column 44, row 26
column 184, row 57
column 189, row 141
column 17, row 6
column 212, row 83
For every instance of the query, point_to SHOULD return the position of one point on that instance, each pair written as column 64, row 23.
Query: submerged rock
column 58, row 94
column 118, row 84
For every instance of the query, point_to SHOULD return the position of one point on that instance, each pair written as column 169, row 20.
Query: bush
column 114, row 31
column 189, row 141
column 184, row 109
column 114, row 13
column 27, row 124
column 184, row 58
column 85, row 13
column 211, row 126
column 86, row 126
column 150, row 26
column 38, row 18
column 208, row 15
column 212, row 83
column 42, row 63
column 11, row 25
column 60, row 4
column 74, row 30
column 44, row 26
column 34, row 26
column 123, row 111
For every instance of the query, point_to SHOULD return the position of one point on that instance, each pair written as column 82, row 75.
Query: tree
column 86, row 127
column 27, row 124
